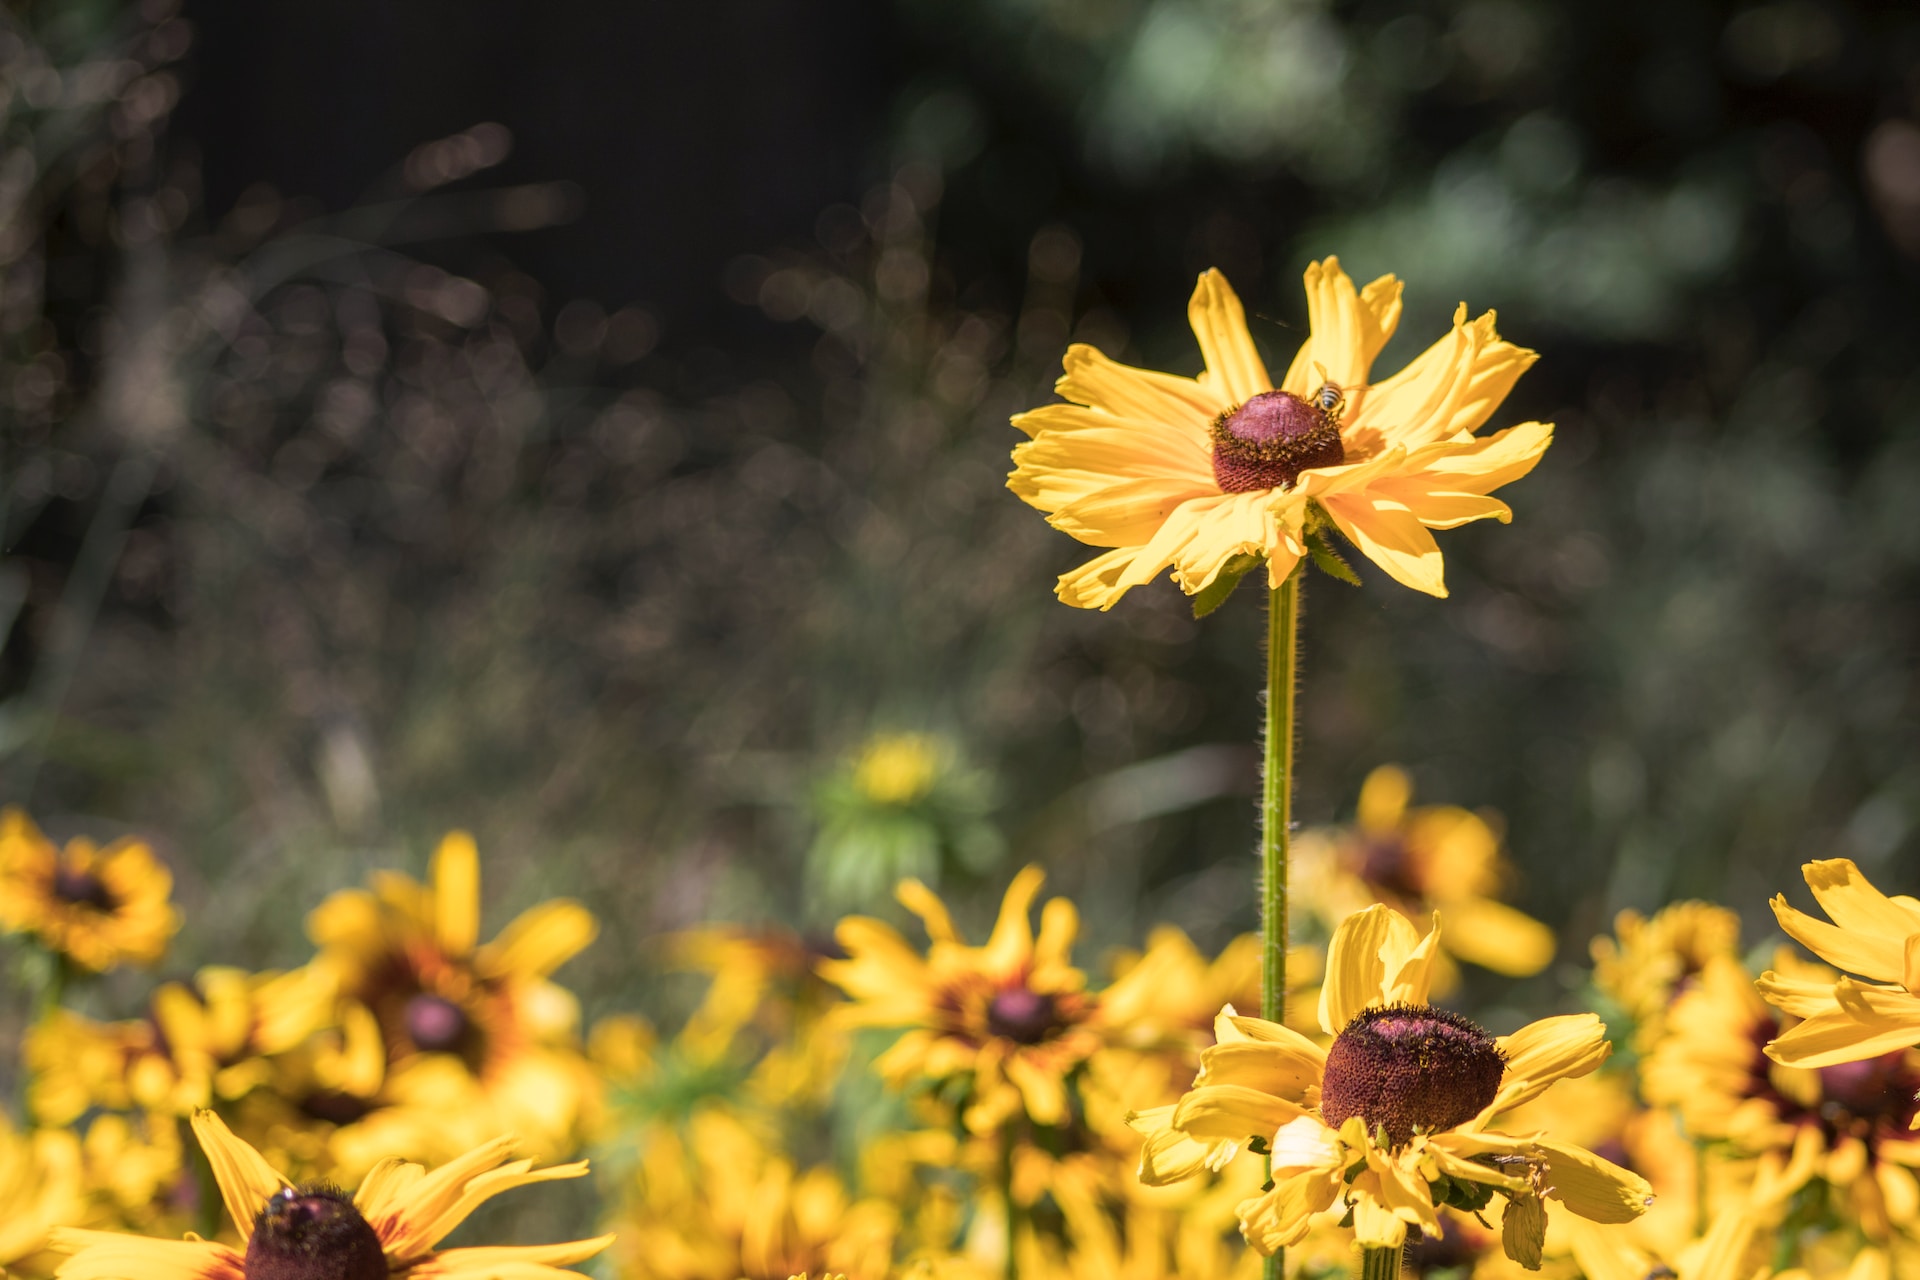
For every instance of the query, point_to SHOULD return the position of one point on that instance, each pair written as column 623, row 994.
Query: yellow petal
column 1096, row 584
column 1059, row 468
column 1551, row 1049
column 1233, row 1112
column 1143, row 395
column 1868, row 1022
column 1597, row 1189
column 1346, row 329
column 509, row 1262
column 1388, row 534
column 1383, row 799
column 456, row 893
column 246, row 1180
column 925, row 903
column 1052, row 950
column 1480, row 464
column 1523, row 1230
column 1275, row 1069
column 1375, row 1226
column 1010, row 946
column 1283, row 1216
column 1128, row 513
column 1869, row 931
column 1495, row 936
column 106, row 1255
column 1234, row 367
column 1358, row 963
column 539, row 940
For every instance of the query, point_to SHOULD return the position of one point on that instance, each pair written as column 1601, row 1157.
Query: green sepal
column 1329, row 561
column 1215, row 593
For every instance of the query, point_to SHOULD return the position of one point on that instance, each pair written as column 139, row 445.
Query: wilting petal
column 1283, row 1215
column 1548, row 1050
column 1233, row 1112
column 1595, row 1188
column 1358, row 963
column 1388, row 534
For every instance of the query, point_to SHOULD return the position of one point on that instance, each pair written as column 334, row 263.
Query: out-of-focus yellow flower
column 198, row 1044
column 1872, row 935
column 1847, row 1122
column 897, row 768
column 1415, row 860
column 1012, row 1016
column 1393, row 1120
column 719, row 1205
column 1187, row 473
column 1647, row 961
column 389, row 1228
column 42, row 1186
column 96, row 907
column 135, row 1168
column 410, row 954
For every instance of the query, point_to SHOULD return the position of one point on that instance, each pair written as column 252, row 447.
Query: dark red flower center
column 1408, row 1068
column 1022, row 1015
column 83, row 889
column 435, row 1024
column 313, row 1233
column 1268, row 441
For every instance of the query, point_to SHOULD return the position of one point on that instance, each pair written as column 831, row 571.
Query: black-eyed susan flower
column 1394, row 1119
column 1013, row 1016
column 390, row 1227
column 1188, row 473
column 1650, row 960
column 1847, row 1122
column 409, row 953
column 95, row 907
column 1872, row 935
column 1416, row 860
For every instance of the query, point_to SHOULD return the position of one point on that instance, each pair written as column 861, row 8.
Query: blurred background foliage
column 588, row 427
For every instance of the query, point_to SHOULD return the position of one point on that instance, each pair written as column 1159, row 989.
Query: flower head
column 95, row 907
column 1416, row 859
column 388, row 1228
column 1393, row 1121
column 1013, row 1015
column 1187, row 473
column 1872, row 935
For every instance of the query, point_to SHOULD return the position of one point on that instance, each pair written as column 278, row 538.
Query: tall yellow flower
column 1872, row 935
column 1187, row 473
column 1013, row 1015
column 1419, row 859
column 410, row 954
column 388, row 1229
column 1392, row 1121
column 95, row 907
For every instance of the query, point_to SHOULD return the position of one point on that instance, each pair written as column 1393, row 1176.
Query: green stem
column 45, row 1005
column 1013, row 1218
column 1380, row 1264
column 1276, row 811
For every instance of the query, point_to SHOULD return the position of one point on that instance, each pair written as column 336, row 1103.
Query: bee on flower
column 1416, row 860
column 93, row 908
column 1394, row 1119
column 388, row 1230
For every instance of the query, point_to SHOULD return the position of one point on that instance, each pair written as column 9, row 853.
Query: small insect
column 1331, row 399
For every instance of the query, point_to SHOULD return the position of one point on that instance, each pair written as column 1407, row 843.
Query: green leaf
column 1330, row 561
column 1215, row 593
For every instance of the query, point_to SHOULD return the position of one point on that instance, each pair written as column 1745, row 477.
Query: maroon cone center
column 83, row 889
column 1022, row 1015
column 1408, row 1069
column 314, row 1233
column 1268, row 441
column 435, row 1024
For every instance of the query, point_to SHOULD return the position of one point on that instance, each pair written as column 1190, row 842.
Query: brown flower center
column 1268, row 441
column 1408, row 1068
column 1022, row 1015
column 1874, row 1094
column 83, row 889
column 434, row 1024
column 313, row 1233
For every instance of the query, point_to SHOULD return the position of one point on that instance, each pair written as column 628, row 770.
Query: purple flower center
column 82, row 889
column 434, row 1024
column 1022, row 1015
column 1268, row 441
column 313, row 1233
column 1410, row 1068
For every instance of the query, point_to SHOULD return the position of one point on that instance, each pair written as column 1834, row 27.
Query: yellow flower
column 388, row 1229
column 1188, row 473
column 1872, row 935
column 1013, row 1015
column 1848, row 1122
column 95, row 907
column 410, row 955
column 897, row 768
column 1653, row 958
column 42, row 1186
column 1392, row 1121
column 1415, row 860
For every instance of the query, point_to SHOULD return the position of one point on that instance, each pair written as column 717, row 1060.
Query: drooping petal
column 1283, row 1216
column 1877, row 957
column 1388, row 534
column 246, row 1180
column 1551, row 1049
column 1234, row 368
column 1096, row 584
column 1593, row 1187
column 1233, row 1112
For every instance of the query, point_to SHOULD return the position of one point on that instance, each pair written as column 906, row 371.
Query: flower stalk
column 1276, row 810
column 1381, row 1264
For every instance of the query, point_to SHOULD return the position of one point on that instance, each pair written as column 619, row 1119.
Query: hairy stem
column 1380, row 1264
column 1276, row 810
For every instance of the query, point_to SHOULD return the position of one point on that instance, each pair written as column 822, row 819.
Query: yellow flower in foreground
column 1187, row 473
column 1392, row 1121
column 1415, row 860
column 1014, row 1014
column 96, row 907
column 388, row 1229
column 1872, row 935
column 410, row 954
